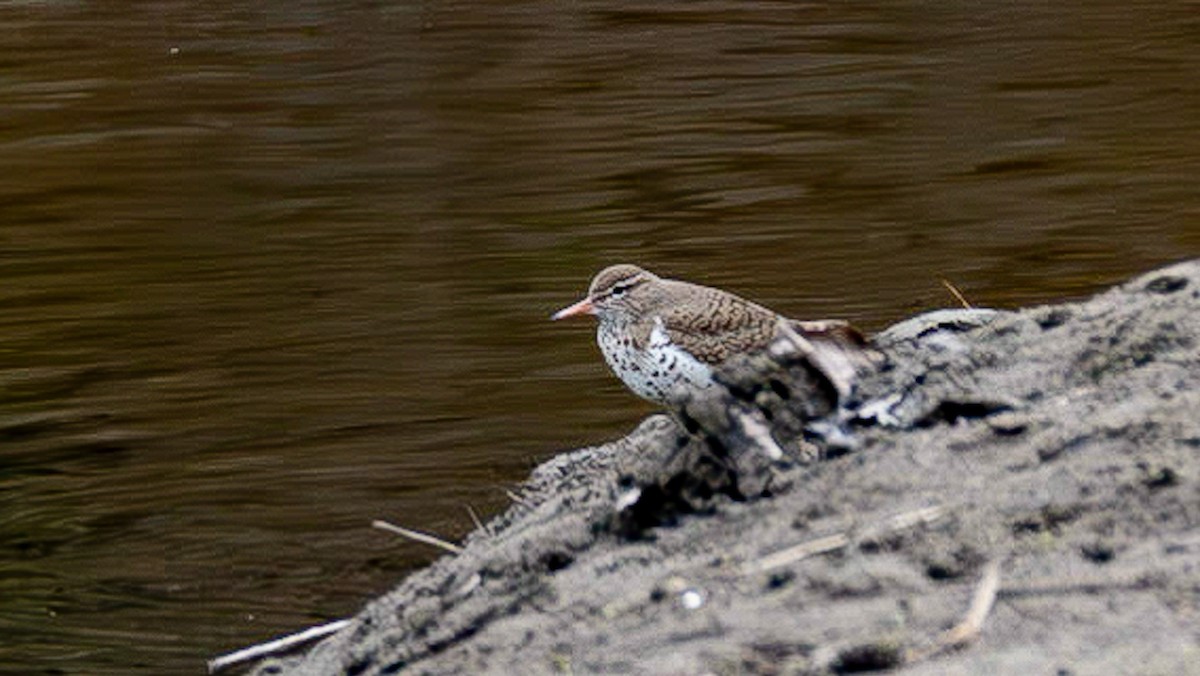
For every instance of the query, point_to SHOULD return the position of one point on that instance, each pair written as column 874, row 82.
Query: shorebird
column 663, row 337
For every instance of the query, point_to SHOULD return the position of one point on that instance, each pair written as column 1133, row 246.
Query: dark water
column 268, row 274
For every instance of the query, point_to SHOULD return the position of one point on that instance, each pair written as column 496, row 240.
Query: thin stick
column 799, row 552
column 981, row 605
column 475, row 518
column 956, row 293
column 972, row 623
column 516, row 498
column 917, row 517
column 828, row 543
column 276, row 646
column 416, row 535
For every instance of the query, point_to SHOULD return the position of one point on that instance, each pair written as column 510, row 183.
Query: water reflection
column 295, row 275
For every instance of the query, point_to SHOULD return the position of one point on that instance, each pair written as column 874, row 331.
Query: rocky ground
column 1046, row 461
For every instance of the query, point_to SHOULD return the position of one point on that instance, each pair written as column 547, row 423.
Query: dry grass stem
column 799, row 552
column 971, row 625
column 279, row 645
column 516, row 498
column 905, row 521
column 416, row 535
column 475, row 519
column 957, row 294
column 837, row 541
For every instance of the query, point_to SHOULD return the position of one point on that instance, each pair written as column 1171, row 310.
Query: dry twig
column 971, row 625
column 475, row 519
column 957, row 294
column 917, row 517
column 799, row 552
column 276, row 646
column 829, row 543
column 416, row 535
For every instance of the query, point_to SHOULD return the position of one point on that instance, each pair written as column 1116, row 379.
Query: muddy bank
column 1059, row 444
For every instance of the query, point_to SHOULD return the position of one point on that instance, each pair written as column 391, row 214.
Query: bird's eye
column 620, row 289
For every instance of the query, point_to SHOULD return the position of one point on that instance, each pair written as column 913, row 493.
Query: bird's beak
column 583, row 307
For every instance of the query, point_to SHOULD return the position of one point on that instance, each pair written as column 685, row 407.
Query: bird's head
column 617, row 293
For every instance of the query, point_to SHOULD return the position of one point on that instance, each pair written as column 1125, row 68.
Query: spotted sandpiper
column 663, row 337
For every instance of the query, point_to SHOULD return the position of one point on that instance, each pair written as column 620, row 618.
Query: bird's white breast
column 657, row 369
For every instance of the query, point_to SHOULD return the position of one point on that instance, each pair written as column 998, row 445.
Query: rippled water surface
column 269, row 273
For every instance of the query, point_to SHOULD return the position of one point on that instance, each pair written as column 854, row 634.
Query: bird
column 663, row 337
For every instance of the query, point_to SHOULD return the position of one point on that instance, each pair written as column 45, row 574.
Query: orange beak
column 583, row 307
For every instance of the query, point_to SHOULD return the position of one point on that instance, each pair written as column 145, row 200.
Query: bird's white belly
column 658, row 372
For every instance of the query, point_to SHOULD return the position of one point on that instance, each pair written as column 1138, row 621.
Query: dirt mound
column 1046, row 458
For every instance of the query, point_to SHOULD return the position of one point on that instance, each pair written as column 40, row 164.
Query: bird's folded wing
column 731, row 326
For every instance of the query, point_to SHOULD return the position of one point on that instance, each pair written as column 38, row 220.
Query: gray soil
column 1057, row 445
